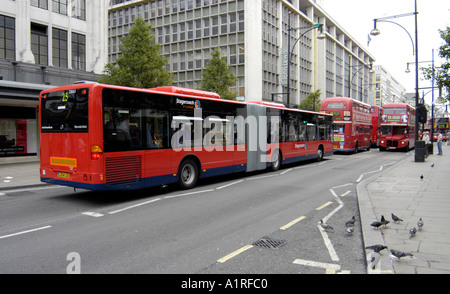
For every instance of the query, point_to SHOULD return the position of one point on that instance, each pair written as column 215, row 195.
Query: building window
column 40, row 3
column 18, row 131
column 39, row 43
column 79, row 9
column 59, row 6
column 59, row 41
column 78, row 51
column 7, row 37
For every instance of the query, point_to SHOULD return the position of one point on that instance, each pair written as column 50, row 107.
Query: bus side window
column 156, row 130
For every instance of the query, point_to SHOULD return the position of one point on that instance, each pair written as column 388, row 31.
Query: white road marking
column 25, row 232
column 317, row 264
column 230, row 184
column 328, row 244
column 94, row 214
column 134, row 206
column 189, row 193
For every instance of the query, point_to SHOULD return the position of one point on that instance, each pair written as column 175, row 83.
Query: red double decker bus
column 397, row 126
column 352, row 123
column 376, row 119
column 104, row 137
column 441, row 126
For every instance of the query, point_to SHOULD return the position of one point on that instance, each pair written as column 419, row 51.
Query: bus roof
column 344, row 99
column 396, row 105
column 186, row 91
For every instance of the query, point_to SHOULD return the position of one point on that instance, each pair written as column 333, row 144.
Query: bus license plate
column 64, row 175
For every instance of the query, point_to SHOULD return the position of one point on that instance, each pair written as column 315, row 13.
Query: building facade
column 388, row 89
column 43, row 44
column 254, row 36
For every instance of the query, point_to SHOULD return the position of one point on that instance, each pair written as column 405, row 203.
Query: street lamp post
column 376, row 32
column 290, row 51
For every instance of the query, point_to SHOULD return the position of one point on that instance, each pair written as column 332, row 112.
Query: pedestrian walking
column 439, row 144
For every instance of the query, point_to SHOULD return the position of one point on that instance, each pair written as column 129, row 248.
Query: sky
column 393, row 48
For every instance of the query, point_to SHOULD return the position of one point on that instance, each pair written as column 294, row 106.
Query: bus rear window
column 65, row 111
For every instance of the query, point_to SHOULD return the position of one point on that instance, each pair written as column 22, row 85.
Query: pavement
column 396, row 189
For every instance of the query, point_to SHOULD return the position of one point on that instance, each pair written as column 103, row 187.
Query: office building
column 388, row 89
column 43, row 44
column 253, row 36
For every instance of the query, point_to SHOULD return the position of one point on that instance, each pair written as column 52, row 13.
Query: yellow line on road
column 292, row 223
column 233, row 254
column 325, row 205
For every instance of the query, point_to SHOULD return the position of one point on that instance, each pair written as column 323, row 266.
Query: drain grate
column 269, row 243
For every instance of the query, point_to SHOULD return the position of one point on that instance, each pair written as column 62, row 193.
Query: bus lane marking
column 25, row 232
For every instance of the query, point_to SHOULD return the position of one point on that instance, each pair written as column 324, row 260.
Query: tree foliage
column 140, row 64
column 442, row 73
column 217, row 76
column 313, row 98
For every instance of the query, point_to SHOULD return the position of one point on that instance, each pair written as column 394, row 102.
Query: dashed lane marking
column 287, row 226
column 233, row 254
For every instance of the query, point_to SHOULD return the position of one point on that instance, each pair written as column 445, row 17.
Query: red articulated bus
column 397, row 126
column 375, row 132
column 104, row 137
column 352, row 123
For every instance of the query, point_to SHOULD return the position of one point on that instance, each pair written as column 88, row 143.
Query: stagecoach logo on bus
column 188, row 133
column 189, row 104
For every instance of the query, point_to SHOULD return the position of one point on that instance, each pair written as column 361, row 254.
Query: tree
column 313, row 98
column 140, row 64
column 442, row 73
column 217, row 76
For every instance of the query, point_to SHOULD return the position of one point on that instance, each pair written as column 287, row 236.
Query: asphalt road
column 258, row 223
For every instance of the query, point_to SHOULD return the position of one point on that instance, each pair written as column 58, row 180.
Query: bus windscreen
column 65, row 111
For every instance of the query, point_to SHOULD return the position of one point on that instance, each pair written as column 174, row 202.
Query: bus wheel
column 319, row 154
column 276, row 160
column 187, row 174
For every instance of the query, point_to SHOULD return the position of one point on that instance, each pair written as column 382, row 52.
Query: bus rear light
column 96, row 152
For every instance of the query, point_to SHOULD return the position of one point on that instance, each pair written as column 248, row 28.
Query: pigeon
column 377, row 248
column 376, row 224
column 412, row 232
column 396, row 218
column 432, row 165
column 421, row 177
column 399, row 254
column 384, row 221
column 351, row 222
column 325, row 226
column 350, row 231
column 420, row 224
column 373, row 259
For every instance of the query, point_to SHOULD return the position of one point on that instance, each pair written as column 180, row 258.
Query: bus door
column 339, row 130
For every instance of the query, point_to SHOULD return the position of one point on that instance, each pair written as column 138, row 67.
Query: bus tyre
column 187, row 174
column 319, row 154
column 276, row 160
